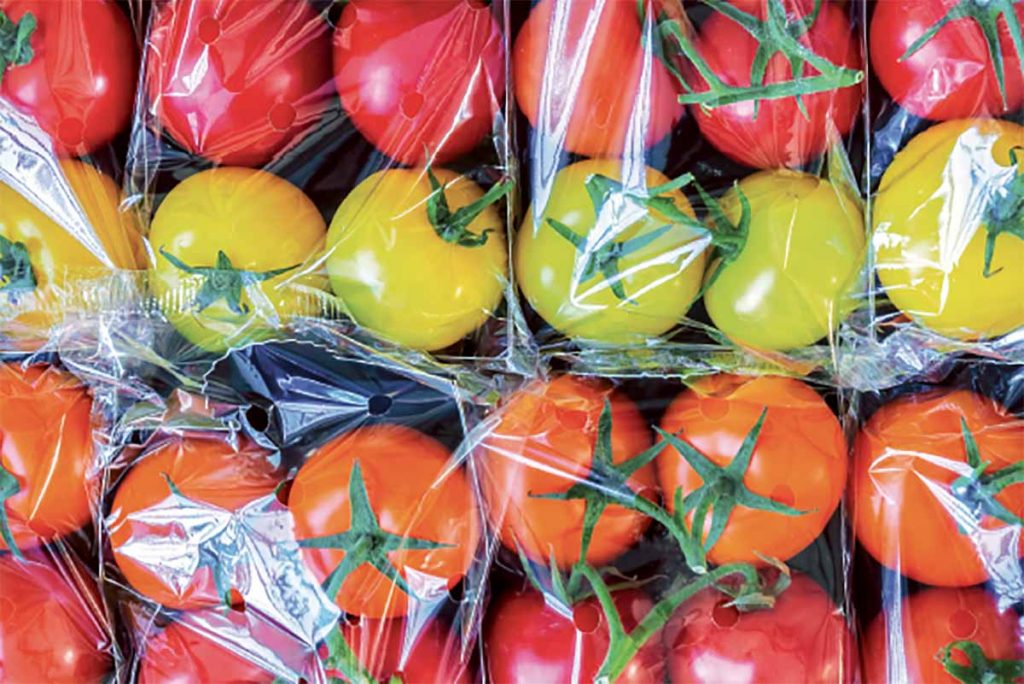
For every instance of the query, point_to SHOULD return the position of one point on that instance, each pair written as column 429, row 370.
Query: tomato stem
column 15, row 41
column 776, row 34
column 16, row 274
column 980, row 668
column 1005, row 214
column 224, row 281
column 365, row 542
column 453, row 227
column 986, row 13
column 8, row 487
column 341, row 658
column 728, row 239
column 978, row 490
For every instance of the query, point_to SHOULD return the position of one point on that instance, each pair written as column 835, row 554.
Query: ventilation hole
column 258, row 418
column 412, row 103
column 456, row 589
column 70, row 132
column 714, row 409
column 724, row 615
column 379, row 404
column 962, row 624
column 237, row 601
column 783, row 494
column 586, row 617
column 282, row 116
column 209, row 30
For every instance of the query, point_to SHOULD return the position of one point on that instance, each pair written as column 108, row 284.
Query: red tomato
column 409, row 510
column 907, row 458
column 50, row 625
column 803, row 638
column 529, row 641
column 952, row 75
column 799, row 460
column 238, row 81
column 590, row 66
column 423, row 81
column 79, row 84
column 779, row 135
column 422, row 654
column 931, row 620
column 544, row 443
column 208, row 471
column 46, row 452
column 181, row 655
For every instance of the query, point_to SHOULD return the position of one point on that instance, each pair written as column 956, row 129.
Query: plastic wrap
column 342, row 161
column 937, row 505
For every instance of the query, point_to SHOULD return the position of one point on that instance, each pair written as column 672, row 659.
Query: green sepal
column 16, row 41
column 980, row 668
column 341, row 658
column 16, row 274
column 728, row 239
column 8, row 487
column 1005, row 213
column 978, row 490
column 453, row 227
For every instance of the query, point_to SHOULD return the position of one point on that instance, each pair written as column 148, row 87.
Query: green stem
column 16, row 274
column 453, row 227
column 980, row 668
column 1005, row 214
column 341, row 658
column 978, row 491
column 8, row 487
column 15, row 41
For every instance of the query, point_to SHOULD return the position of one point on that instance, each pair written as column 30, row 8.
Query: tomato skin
column 46, row 444
column 951, row 76
column 544, row 443
column 529, row 641
column 261, row 223
column 207, row 470
column 930, row 230
column 909, row 453
column 614, row 107
column 548, row 266
column 803, row 638
column 265, row 63
column 427, row 654
column 779, row 135
column 397, row 277
column 792, row 283
column 799, row 460
column 427, row 502
column 80, row 84
column 180, row 655
column 423, row 81
column 931, row 619
column 50, row 624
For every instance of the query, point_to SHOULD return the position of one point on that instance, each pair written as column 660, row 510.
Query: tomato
column 209, row 474
column 50, row 624
column 229, row 247
column 41, row 260
column 934, row 224
column 952, row 75
column 238, row 81
column 416, row 266
column 635, row 271
column 424, row 654
column 76, row 74
column 544, row 442
column 585, row 77
column 388, row 496
column 913, row 489
column 182, row 655
column 423, row 81
column 803, row 638
column 929, row 621
column 46, row 455
column 775, row 133
column 792, row 283
column 528, row 640
column 798, row 460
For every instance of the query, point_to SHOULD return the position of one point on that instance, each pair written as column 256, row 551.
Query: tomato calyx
column 453, row 227
column 604, row 258
column 978, row 490
column 8, row 487
column 980, row 668
column 365, row 542
column 722, row 491
column 16, row 274
column 986, row 14
column 224, row 281
column 728, row 239
column 777, row 33
column 16, row 41
column 1006, row 213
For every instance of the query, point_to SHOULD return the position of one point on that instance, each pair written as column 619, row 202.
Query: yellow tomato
column 45, row 266
column 234, row 253
column 413, row 271
column 621, row 275
column 950, row 189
